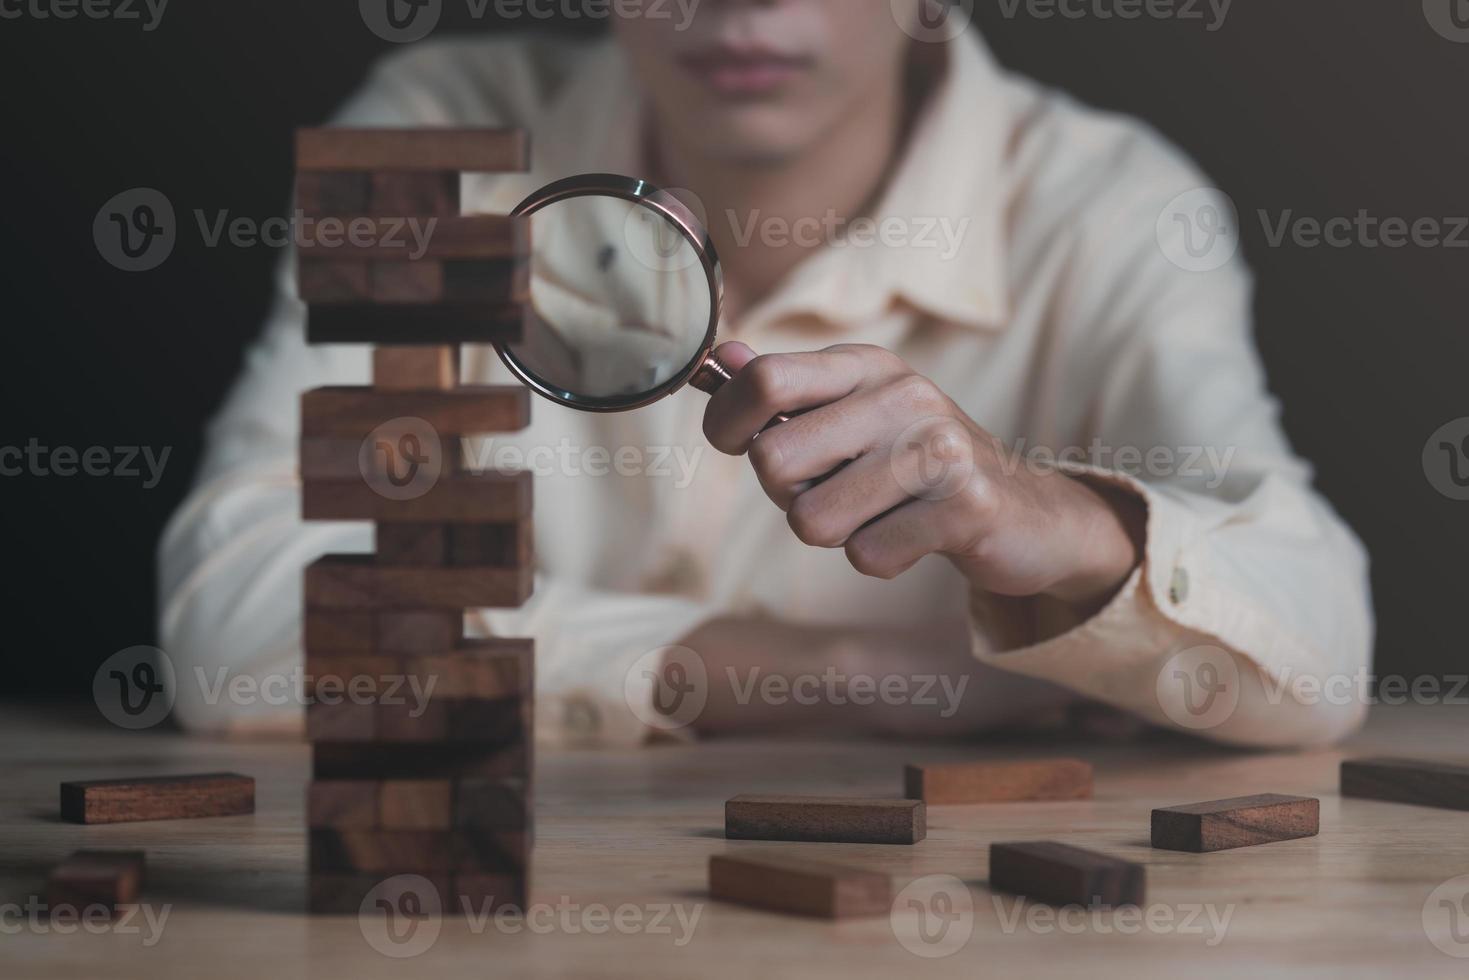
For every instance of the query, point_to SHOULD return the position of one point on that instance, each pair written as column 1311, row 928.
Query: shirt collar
column 943, row 206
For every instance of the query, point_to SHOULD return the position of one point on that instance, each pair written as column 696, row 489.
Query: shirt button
column 1178, row 588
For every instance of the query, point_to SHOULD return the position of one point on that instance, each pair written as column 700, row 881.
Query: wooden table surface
column 624, row 840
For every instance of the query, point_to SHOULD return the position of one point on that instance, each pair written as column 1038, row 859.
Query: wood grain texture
column 448, row 760
column 414, row 193
column 485, row 670
column 1243, row 821
column 333, row 281
column 998, row 782
column 362, row 238
column 416, row 804
column 1416, row 781
column 478, row 498
column 412, row 544
column 341, row 720
column 354, row 413
column 215, row 794
column 490, row 283
column 405, row 851
column 412, row 150
column 433, row 368
column 1061, row 874
column 358, row 582
column 419, row 631
column 509, row 545
column 326, row 632
column 414, row 720
column 824, row 818
column 492, row 804
column 342, row 804
column 408, row 324
column 326, row 193
column 93, row 879
column 781, row 882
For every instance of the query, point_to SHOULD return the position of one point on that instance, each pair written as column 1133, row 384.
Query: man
column 1018, row 304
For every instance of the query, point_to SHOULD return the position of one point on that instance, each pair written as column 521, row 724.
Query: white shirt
column 1050, row 313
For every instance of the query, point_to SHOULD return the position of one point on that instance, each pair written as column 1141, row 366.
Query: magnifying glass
column 626, row 292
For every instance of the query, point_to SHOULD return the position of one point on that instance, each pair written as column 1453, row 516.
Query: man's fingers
column 895, row 542
column 831, row 512
column 783, row 384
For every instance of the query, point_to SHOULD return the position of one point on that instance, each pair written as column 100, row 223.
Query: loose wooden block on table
column 218, row 794
column 1218, row 825
column 999, row 782
column 824, row 818
column 89, row 879
column 1421, row 782
column 357, row 582
column 782, row 882
column 355, row 413
column 476, row 498
column 415, row 368
column 415, row 150
column 1064, row 875
column 410, row 324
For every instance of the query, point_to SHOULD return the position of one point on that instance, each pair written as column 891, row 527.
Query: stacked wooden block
column 422, row 738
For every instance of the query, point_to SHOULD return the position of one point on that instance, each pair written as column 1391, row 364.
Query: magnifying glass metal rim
column 643, row 194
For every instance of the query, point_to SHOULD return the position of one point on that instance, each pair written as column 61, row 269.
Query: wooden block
column 1420, row 782
column 382, row 851
column 999, row 782
column 333, row 677
column 492, row 545
column 333, row 281
column 478, row 498
column 341, row 720
column 357, row 582
column 1064, row 875
column 354, row 413
column 825, row 818
column 492, row 804
column 415, row 368
column 462, row 282
column 492, row 282
column 411, row 721
column 416, row 325
column 407, row 282
column 419, row 631
column 492, row 850
column 319, row 193
column 416, row 804
column 337, row 893
column 481, row 893
column 485, row 670
column 783, row 882
column 413, row 544
column 215, row 794
column 389, row 760
column 326, row 633
column 89, row 879
column 1241, row 822
column 480, row 720
column 360, row 238
column 342, row 804
column 414, row 193
column 413, row 150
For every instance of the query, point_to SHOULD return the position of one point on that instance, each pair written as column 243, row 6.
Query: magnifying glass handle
column 712, row 375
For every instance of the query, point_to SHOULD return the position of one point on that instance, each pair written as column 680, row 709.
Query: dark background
column 1318, row 106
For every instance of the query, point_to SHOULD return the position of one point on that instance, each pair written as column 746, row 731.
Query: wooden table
column 629, row 834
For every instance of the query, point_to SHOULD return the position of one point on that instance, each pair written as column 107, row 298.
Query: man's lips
column 744, row 73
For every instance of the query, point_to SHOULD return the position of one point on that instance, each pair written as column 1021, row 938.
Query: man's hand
column 883, row 464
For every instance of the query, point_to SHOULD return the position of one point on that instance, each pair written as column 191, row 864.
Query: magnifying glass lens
column 622, row 303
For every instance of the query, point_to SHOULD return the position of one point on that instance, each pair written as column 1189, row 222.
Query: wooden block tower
column 436, row 786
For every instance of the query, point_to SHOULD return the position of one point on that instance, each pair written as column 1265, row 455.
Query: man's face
column 760, row 80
